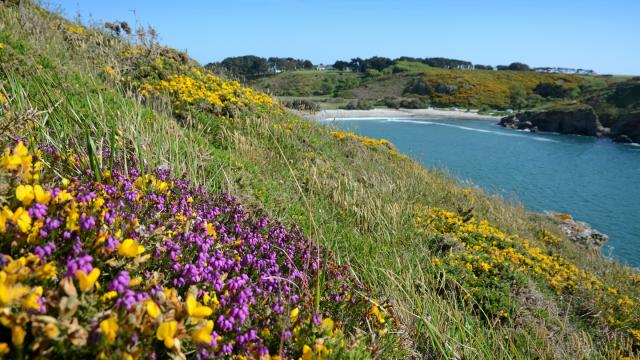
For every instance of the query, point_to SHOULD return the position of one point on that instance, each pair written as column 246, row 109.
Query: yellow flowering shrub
column 76, row 29
column 159, row 71
column 489, row 262
column 449, row 87
column 367, row 141
column 208, row 92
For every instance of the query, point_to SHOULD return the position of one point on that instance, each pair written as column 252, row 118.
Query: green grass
column 357, row 201
column 407, row 66
column 304, row 83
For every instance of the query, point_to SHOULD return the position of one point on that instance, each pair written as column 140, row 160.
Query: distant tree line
column 379, row 63
column 516, row 66
column 250, row 66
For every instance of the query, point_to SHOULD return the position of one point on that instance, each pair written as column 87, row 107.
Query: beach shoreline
column 397, row 113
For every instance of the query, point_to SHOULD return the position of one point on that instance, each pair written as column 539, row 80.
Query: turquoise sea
column 593, row 179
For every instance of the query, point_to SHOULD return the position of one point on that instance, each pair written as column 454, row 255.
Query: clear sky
column 603, row 35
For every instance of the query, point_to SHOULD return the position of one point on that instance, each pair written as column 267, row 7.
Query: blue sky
column 600, row 35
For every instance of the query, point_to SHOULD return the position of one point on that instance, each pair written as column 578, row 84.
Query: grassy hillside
column 430, row 86
column 393, row 275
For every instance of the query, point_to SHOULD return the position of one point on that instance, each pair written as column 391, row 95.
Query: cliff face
column 581, row 121
column 612, row 111
column 627, row 128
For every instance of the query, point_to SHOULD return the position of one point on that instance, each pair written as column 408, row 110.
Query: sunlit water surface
column 593, row 179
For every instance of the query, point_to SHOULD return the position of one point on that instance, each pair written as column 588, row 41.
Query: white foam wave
column 501, row 133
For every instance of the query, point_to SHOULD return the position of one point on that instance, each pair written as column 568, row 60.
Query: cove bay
column 593, row 179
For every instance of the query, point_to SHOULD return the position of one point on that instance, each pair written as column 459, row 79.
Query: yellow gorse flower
column 152, row 308
column 166, row 332
column 109, row 295
column 17, row 335
column 24, row 193
column 27, row 193
column 195, row 309
column 130, row 248
column 51, row 331
column 76, row 29
column 86, row 281
column 20, row 217
column 4, row 349
column 307, row 352
column 31, row 302
column 327, row 324
column 109, row 329
column 203, row 334
column 17, row 159
column 211, row 231
column 294, row 315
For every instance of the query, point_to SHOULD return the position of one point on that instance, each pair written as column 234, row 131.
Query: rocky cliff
column 613, row 111
column 627, row 128
column 581, row 121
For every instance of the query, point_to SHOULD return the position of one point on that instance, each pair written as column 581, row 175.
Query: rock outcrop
column 627, row 128
column 581, row 121
column 613, row 111
column 579, row 232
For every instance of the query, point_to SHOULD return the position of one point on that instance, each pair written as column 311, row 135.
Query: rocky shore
column 578, row 231
column 613, row 112
column 582, row 121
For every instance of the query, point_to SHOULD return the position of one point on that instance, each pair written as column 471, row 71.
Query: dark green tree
column 518, row 96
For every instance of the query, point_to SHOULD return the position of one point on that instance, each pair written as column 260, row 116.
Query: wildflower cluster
column 208, row 92
column 489, row 262
column 75, row 29
column 474, row 89
column 142, row 264
column 367, row 141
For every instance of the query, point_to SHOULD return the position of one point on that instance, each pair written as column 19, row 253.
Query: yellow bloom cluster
column 110, row 71
column 21, row 162
column 489, row 255
column 18, row 301
column 488, row 248
column 367, row 141
column 209, row 91
column 492, row 88
column 76, row 29
column 548, row 238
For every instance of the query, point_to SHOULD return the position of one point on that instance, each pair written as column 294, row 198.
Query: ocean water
column 595, row 180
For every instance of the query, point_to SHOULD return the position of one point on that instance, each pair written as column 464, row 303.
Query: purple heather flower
column 82, row 263
column 38, row 211
column 87, row 222
column 120, row 283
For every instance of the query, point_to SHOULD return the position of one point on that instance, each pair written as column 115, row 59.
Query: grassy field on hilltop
column 434, row 268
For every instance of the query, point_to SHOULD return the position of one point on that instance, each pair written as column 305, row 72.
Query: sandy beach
column 404, row 113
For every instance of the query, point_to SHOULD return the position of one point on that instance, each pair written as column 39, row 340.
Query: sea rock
column 579, row 231
column 627, row 128
column 577, row 120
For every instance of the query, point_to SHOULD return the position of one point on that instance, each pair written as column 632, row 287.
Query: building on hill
column 274, row 70
column 323, row 67
column 562, row 70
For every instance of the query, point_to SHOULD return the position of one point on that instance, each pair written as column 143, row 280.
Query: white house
column 323, row 67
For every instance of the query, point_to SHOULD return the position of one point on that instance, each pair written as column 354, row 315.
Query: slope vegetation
column 431, row 86
column 379, row 258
